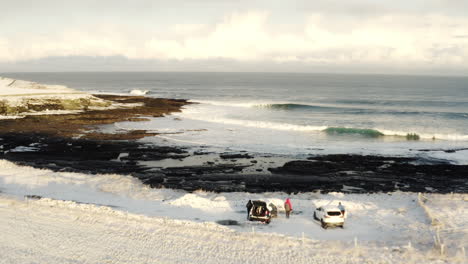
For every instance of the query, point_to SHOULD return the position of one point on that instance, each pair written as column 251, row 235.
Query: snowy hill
column 18, row 98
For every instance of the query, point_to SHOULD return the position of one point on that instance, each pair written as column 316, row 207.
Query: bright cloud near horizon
column 346, row 34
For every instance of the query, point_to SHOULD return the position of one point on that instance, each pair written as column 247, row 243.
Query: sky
column 363, row 36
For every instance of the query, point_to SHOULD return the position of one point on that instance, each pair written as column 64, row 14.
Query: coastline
column 83, row 123
column 73, row 142
column 68, row 172
column 164, row 166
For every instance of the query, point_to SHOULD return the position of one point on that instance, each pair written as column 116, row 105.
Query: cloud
column 387, row 39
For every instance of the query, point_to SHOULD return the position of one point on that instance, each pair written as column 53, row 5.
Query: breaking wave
column 229, row 113
column 361, row 111
column 410, row 135
column 271, row 105
column 258, row 124
column 365, row 132
column 139, row 92
column 339, row 109
column 353, row 131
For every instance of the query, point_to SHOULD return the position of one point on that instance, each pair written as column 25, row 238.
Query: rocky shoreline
column 84, row 124
column 241, row 173
column 72, row 142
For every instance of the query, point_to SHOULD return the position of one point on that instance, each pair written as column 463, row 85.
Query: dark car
column 259, row 212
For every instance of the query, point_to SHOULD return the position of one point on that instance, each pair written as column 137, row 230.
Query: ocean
column 296, row 114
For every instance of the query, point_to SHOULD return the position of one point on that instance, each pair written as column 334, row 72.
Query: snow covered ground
column 19, row 98
column 114, row 218
column 12, row 87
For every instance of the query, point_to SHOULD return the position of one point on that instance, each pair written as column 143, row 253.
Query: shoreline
column 82, row 124
column 72, row 142
column 164, row 167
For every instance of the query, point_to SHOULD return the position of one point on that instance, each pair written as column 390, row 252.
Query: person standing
column 288, row 207
column 249, row 206
column 274, row 210
column 342, row 209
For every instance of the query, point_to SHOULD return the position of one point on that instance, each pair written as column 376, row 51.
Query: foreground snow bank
column 143, row 222
column 50, row 231
column 23, row 97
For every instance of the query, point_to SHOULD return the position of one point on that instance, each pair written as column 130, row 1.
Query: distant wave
column 361, row 111
column 294, row 106
column 378, row 102
column 275, row 105
column 448, row 115
column 139, row 92
column 337, row 109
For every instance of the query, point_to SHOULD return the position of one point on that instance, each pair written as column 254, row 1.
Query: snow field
column 118, row 212
column 12, row 87
column 449, row 216
column 51, row 231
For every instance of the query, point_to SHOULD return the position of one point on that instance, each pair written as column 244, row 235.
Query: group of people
column 274, row 210
column 287, row 208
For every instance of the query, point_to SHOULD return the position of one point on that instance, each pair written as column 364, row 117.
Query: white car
column 329, row 216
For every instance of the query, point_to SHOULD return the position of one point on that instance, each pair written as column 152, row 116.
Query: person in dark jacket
column 249, row 206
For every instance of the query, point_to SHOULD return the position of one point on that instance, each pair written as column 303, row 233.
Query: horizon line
column 252, row 72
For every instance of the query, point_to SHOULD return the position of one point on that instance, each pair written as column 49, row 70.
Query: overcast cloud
column 336, row 35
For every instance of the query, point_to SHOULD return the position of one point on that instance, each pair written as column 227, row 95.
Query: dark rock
column 33, row 196
column 376, row 173
column 327, row 173
column 235, row 156
column 228, row 222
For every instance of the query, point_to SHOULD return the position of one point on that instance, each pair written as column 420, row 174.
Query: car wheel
column 315, row 216
column 324, row 225
column 342, row 226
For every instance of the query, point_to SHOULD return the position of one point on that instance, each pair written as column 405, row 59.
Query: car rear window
column 334, row 213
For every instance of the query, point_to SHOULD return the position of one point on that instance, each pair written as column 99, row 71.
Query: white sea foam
column 139, row 92
column 423, row 135
column 308, row 128
column 219, row 112
column 259, row 124
column 10, row 117
column 261, row 104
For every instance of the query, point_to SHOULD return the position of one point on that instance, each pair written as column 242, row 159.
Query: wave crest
column 139, row 92
column 293, row 106
column 353, row 131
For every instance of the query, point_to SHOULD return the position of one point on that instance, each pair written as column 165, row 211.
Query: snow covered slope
column 114, row 218
column 22, row 97
column 48, row 231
